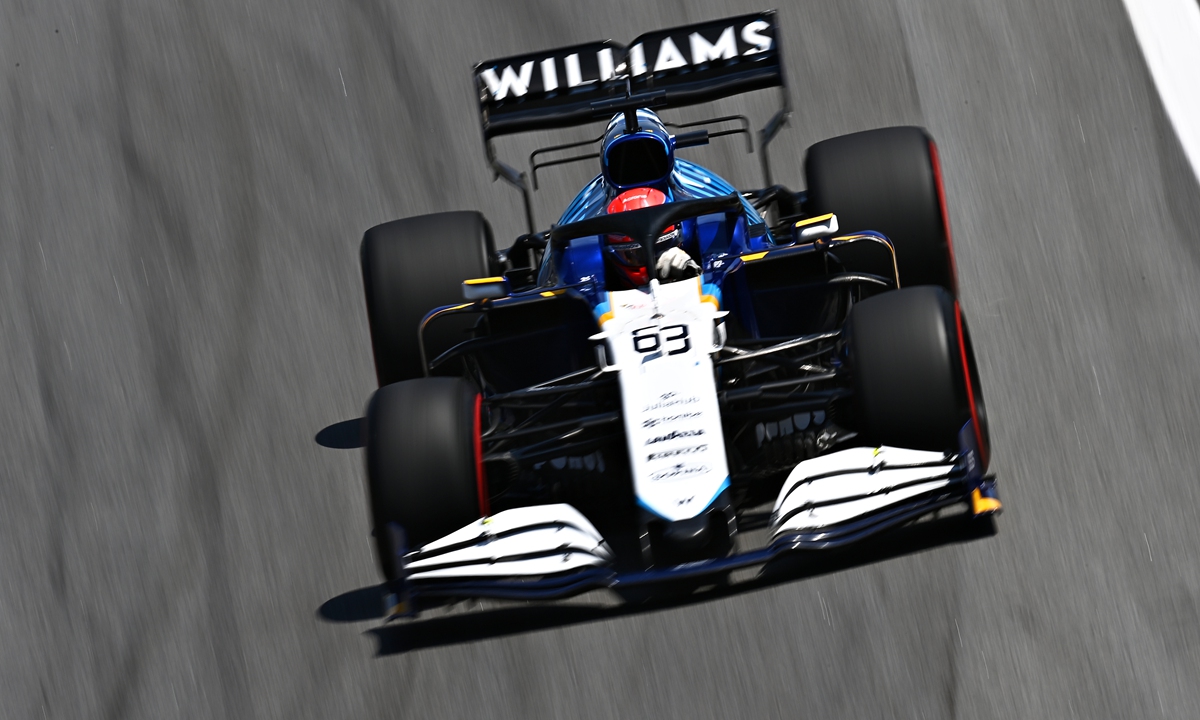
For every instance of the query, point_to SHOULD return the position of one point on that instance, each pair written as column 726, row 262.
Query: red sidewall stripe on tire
column 480, row 477
column 962, row 353
column 941, row 193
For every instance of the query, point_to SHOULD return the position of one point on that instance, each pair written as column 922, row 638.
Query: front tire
column 424, row 464
column 915, row 379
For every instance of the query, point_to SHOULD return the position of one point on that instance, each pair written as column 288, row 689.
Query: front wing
column 552, row 551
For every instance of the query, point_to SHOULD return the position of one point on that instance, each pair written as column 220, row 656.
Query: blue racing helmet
column 643, row 157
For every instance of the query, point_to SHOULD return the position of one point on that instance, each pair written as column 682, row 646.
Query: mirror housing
column 488, row 288
column 815, row 228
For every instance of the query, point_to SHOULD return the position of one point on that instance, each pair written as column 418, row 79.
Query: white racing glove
column 676, row 264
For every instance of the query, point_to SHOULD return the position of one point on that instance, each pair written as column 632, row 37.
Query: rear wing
column 672, row 68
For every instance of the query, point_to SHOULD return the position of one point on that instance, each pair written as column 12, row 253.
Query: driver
column 636, row 160
column 626, row 255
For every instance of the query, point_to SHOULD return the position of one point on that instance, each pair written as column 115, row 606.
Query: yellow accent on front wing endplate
column 981, row 505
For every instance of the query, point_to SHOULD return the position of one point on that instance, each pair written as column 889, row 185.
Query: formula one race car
column 608, row 403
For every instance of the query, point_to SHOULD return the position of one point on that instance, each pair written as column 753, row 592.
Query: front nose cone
column 688, row 534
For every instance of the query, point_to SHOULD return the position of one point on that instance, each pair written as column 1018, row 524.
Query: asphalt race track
column 183, row 187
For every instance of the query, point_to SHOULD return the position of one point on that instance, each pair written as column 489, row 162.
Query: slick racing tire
column 424, row 463
column 410, row 267
column 886, row 180
column 916, row 383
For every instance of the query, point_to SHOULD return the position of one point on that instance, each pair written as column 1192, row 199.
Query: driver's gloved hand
column 676, row 264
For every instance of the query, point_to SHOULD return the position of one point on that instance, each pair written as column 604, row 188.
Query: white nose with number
column 661, row 342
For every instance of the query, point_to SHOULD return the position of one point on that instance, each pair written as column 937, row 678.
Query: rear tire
column 423, row 465
column 410, row 267
column 886, row 180
column 915, row 379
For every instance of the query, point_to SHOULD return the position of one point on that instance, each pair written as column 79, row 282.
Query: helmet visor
column 629, row 252
column 626, row 251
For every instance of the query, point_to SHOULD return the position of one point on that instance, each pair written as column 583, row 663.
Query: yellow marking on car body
column 814, row 220
column 754, row 256
column 483, row 281
column 552, row 293
column 981, row 505
column 396, row 607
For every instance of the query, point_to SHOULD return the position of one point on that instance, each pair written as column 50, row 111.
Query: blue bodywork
column 718, row 247
column 582, row 264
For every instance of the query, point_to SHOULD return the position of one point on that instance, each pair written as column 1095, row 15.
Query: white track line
column 1169, row 33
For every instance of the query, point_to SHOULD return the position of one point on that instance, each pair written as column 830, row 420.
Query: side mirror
column 488, row 288
column 815, row 228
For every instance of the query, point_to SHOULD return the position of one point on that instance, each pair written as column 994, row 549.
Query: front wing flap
column 534, row 541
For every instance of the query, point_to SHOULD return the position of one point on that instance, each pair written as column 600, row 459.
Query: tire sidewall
column 410, row 267
column 906, row 358
column 887, row 180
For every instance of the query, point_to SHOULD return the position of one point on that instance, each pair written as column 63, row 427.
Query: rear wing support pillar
column 770, row 130
column 513, row 177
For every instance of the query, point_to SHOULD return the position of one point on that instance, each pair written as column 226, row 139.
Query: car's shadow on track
column 366, row 603
column 344, row 435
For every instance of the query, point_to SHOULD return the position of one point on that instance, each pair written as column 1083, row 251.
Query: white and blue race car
column 605, row 404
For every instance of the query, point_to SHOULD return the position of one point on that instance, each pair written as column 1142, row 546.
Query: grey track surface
column 182, row 190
